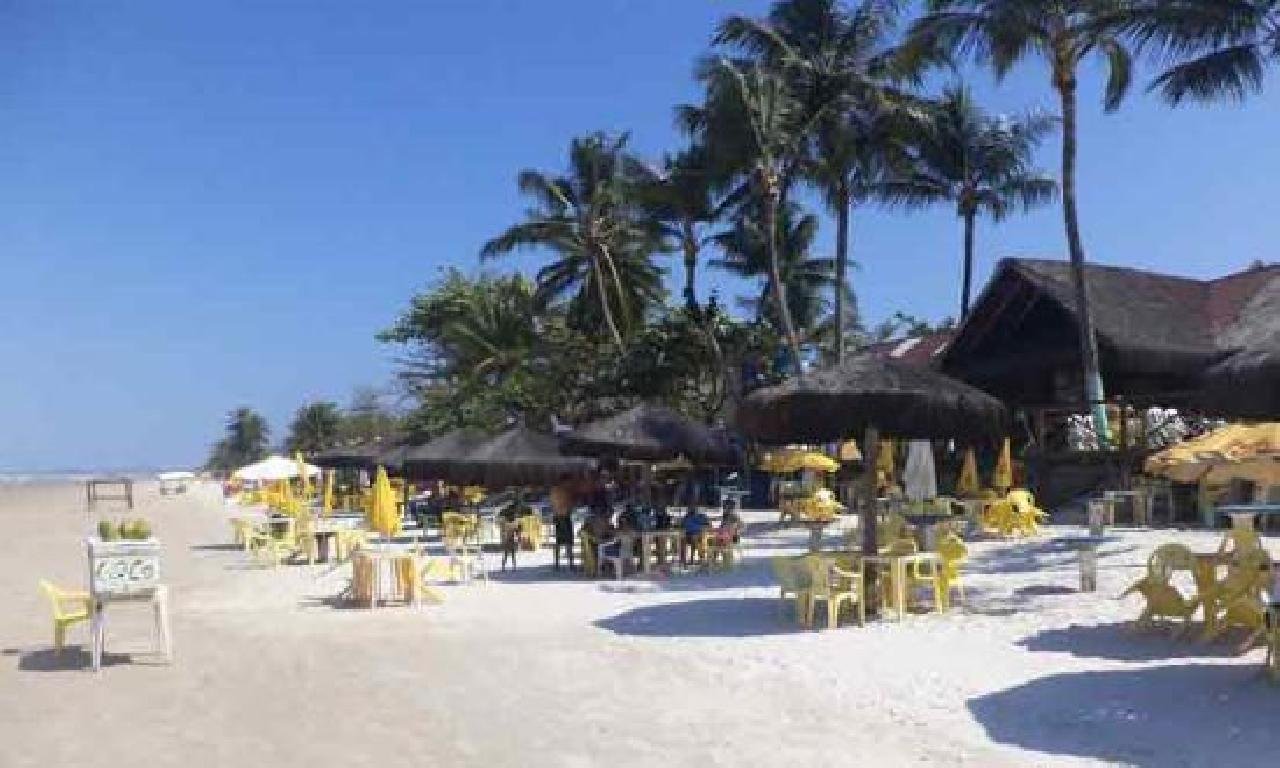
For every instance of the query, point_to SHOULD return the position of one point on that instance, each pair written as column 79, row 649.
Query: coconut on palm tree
column 841, row 64
column 1063, row 33
column 978, row 163
column 1220, row 48
column 603, row 247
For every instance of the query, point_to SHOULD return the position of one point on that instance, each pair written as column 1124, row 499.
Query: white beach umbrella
column 272, row 469
column 918, row 475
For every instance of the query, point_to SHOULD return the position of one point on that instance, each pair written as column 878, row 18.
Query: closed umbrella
column 326, row 501
column 968, row 485
column 1002, row 478
column 919, row 474
column 884, row 462
column 384, row 517
column 304, row 484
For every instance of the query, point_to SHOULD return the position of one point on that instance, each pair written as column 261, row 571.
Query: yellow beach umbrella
column 304, row 482
column 1248, row 450
column 968, row 485
column 797, row 460
column 326, row 500
column 287, row 503
column 1002, row 478
column 384, row 517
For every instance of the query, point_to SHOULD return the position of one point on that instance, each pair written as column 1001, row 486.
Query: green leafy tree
column 1221, row 48
column 1063, row 33
column 589, row 219
column 247, row 436
column 315, row 426
column 367, row 418
column 746, row 253
column 978, row 163
column 841, row 64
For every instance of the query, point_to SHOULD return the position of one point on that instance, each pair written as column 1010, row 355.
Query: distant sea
column 49, row 477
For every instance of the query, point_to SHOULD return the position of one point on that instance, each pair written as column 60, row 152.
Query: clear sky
column 211, row 204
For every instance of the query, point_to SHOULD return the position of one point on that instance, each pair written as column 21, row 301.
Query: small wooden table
column 368, row 584
column 897, row 565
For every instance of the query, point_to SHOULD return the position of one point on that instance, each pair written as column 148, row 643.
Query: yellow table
column 897, row 566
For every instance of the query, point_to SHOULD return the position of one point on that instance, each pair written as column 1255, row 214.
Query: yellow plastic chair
column 242, row 530
column 835, row 587
column 70, row 607
column 1026, row 516
column 944, row 576
column 1164, row 601
column 793, row 584
column 1238, row 597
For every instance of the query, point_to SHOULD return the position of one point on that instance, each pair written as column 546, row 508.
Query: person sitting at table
column 694, row 525
column 730, row 528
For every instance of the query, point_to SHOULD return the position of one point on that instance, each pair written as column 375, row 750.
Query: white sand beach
column 537, row 668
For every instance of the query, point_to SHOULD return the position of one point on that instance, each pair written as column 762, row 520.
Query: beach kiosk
column 126, row 571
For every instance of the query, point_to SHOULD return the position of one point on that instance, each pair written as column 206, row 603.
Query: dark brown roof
column 920, row 351
column 1139, row 313
column 652, row 433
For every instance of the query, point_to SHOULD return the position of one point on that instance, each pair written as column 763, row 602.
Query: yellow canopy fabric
column 884, row 459
column 1002, row 478
column 849, row 451
column 384, row 517
column 1236, row 451
column 326, row 500
column 796, row 460
column 968, row 485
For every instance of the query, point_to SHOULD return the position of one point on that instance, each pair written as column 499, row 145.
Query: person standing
column 562, row 503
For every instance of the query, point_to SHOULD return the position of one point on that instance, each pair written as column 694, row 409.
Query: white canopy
column 919, row 475
column 273, row 468
column 175, row 476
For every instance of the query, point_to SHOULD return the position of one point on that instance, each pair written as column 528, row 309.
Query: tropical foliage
column 315, row 426
column 245, row 442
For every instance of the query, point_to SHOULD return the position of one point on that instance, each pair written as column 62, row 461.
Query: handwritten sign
column 123, row 567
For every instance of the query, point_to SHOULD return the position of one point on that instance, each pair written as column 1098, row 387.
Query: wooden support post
column 870, row 455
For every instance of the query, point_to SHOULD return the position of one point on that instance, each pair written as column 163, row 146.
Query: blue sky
column 211, row 204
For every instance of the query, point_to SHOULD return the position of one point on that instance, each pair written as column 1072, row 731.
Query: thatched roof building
column 1158, row 334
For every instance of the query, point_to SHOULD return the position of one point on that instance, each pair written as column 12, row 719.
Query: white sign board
column 120, row 568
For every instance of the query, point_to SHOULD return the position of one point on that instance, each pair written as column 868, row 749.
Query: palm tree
column 245, row 441
column 684, row 198
column 588, row 219
column 838, row 57
column 979, row 163
column 746, row 254
column 1224, row 47
column 1062, row 32
column 315, row 427
column 755, row 124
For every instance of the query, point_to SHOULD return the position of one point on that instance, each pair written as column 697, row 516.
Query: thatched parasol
column 361, row 455
column 866, row 395
column 839, row 402
column 652, row 433
column 519, row 456
column 432, row 460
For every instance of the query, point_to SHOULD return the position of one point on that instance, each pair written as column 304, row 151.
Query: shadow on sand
column 1122, row 642
column 714, row 617
column 1185, row 714
column 70, row 657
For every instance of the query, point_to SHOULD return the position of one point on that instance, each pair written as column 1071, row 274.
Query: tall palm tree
column 980, row 164
column 1222, row 47
column 805, row 277
column 840, row 57
column 315, row 426
column 684, row 198
column 755, row 123
column 1062, row 32
column 588, row 219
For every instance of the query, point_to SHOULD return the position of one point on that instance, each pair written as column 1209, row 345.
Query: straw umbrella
column 652, row 433
column 433, row 460
column 866, row 394
column 519, row 456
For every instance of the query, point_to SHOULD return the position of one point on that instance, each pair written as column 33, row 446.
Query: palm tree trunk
column 603, row 289
column 967, row 285
column 1093, row 391
column 775, row 273
column 842, row 265
column 689, row 242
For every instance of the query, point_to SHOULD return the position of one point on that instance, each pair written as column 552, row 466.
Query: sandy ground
column 539, row 669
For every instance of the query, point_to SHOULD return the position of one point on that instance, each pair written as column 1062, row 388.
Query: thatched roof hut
column 1157, row 334
column 433, row 459
column 652, row 433
column 355, row 455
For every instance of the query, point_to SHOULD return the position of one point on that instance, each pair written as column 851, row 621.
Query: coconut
column 108, row 530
